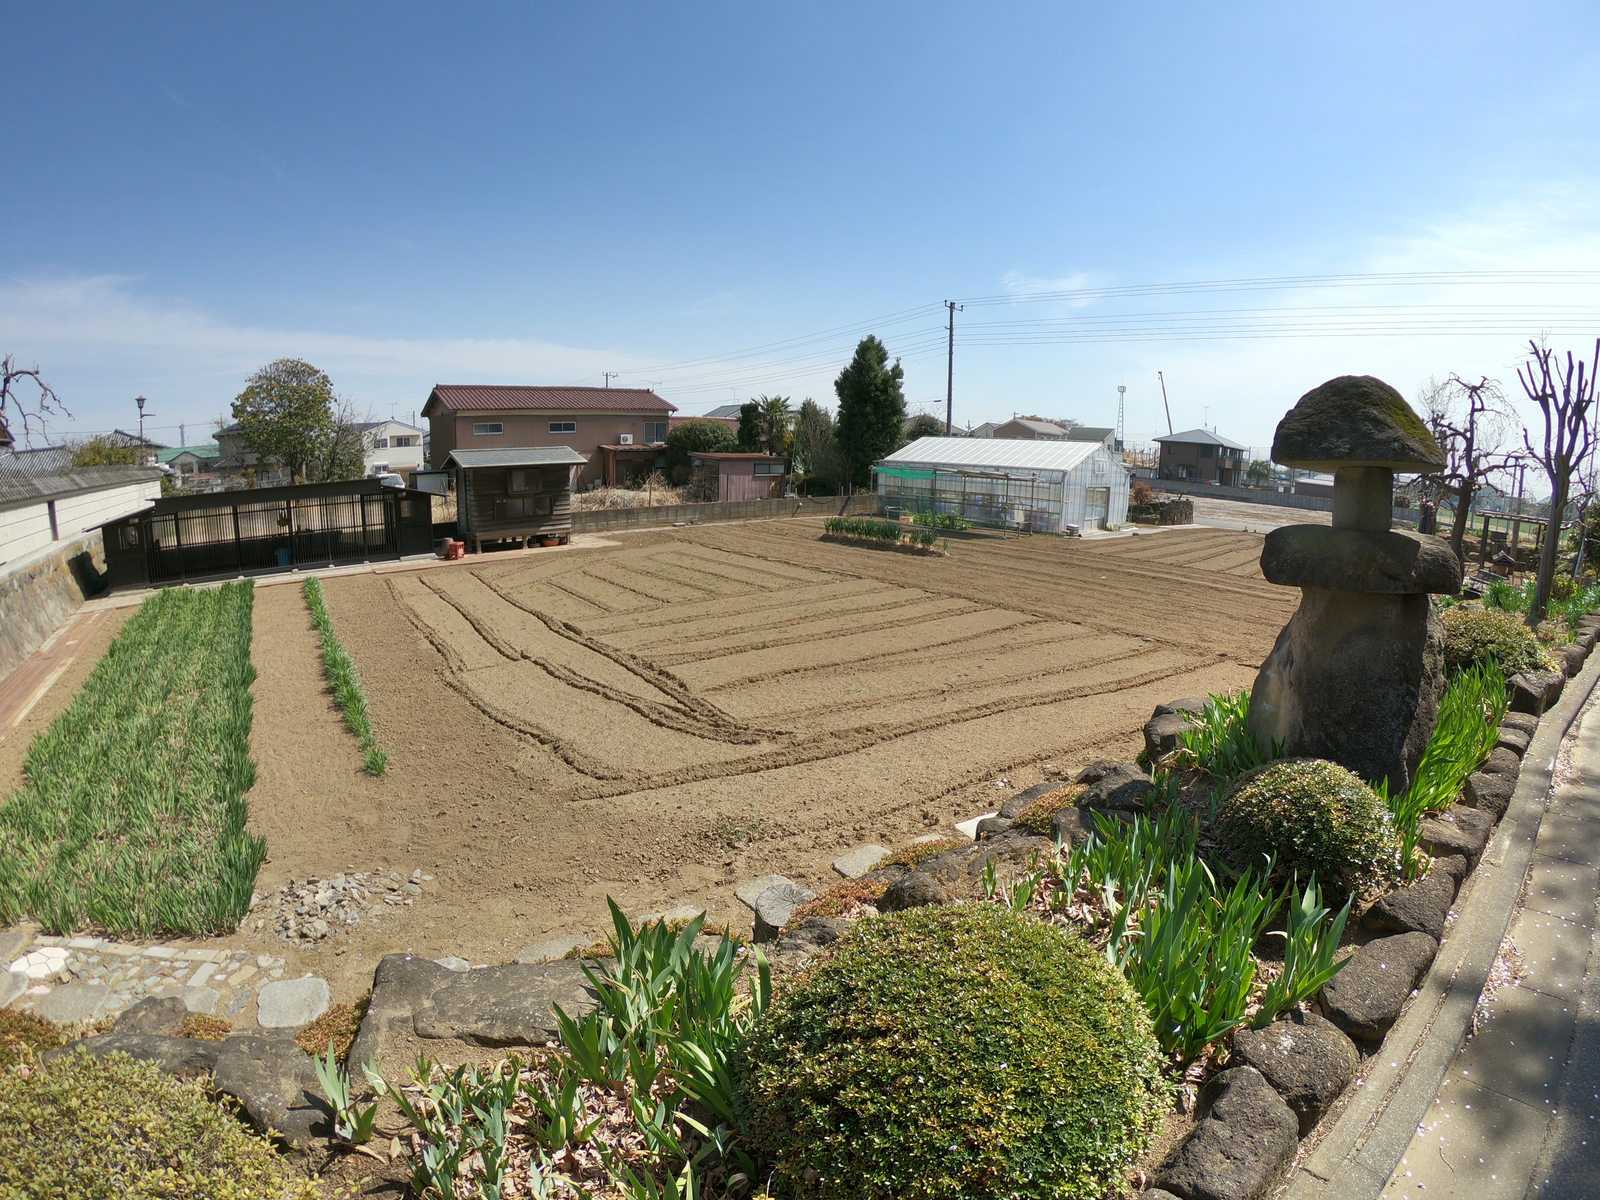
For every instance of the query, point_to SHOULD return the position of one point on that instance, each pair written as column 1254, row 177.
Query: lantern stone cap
column 1357, row 560
column 1355, row 421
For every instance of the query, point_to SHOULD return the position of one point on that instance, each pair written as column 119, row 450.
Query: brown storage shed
column 514, row 494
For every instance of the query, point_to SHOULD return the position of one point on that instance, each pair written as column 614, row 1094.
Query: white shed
column 1039, row 486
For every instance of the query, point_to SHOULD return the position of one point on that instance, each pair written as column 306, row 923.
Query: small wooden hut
column 514, row 494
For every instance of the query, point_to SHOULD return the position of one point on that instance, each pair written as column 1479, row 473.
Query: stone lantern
column 1357, row 673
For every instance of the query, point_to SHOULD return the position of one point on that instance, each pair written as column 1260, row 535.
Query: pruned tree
column 1566, row 400
column 1471, row 422
column 18, row 412
column 700, row 435
column 286, row 413
column 872, row 409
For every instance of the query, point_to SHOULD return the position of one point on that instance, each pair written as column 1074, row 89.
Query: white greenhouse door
column 1096, row 507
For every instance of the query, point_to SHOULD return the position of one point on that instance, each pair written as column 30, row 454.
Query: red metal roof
column 472, row 397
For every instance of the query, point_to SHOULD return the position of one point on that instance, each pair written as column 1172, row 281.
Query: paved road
column 1253, row 518
column 1518, row 1114
column 32, row 678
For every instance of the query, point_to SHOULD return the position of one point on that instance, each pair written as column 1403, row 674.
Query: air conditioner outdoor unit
column 625, row 440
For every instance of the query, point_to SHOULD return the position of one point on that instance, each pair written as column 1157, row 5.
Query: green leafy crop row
column 344, row 680
column 132, row 816
column 870, row 530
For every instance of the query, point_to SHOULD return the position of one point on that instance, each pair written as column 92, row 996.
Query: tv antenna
column 610, row 375
column 1164, row 403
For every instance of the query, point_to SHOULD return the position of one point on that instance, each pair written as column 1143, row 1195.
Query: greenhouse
column 1001, row 483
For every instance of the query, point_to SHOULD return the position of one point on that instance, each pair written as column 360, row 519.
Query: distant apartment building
column 391, row 447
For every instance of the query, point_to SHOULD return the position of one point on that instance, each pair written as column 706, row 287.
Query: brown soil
column 662, row 716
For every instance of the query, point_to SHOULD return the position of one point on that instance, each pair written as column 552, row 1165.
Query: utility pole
column 950, row 367
column 1122, row 393
column 183, row 438
column 1164, row 403
column 610, row 375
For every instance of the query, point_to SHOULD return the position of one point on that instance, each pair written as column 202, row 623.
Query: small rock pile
column 306, row 912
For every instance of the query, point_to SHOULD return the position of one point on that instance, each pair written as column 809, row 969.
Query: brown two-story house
column 628, row 423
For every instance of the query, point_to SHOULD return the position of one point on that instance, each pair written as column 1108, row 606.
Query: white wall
column 394, row 458
column 1100, row 469
column 25, row 529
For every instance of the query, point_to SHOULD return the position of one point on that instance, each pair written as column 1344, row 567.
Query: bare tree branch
column 1566, row 400
column 13, row 409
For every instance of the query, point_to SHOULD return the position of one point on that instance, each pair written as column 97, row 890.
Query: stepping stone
column 859, row 861
column 74, row 1002
column 291, row 1003
column 186, row 1058
column 749, row 893
column 556, row 947
column 41, row 963
column 13, row 942
column 776, row 905
column 969, row 829
column 684, row 912
column 153, row 1016
column 12, row 985
column 402, row 984
column 511, row 1005
column 275, row 1083
column 202, row 1000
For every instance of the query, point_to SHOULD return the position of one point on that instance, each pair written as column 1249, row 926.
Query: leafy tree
column 103, row 452
column 923, row 425
column 1566, row 398
column 698, row 436
column 1259, row 472
column 750, row 425
column 286, row 412
column 816, row 450
column 872, row 409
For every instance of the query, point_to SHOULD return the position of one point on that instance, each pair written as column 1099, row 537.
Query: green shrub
column 942, row 520
column 955, row 1051
column 1311, row 816
column 133, row 816
column 1473, row 637
column 866, row 528
column 23, row 1037
column 697, row 436
column 83, row 1126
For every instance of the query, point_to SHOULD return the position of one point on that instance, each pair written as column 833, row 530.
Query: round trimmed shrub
column 954, row 1051
column 83, row 1126
column 1472, row 636
column 1312, row 816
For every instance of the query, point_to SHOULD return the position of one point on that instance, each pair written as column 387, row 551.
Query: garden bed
column 131, row 819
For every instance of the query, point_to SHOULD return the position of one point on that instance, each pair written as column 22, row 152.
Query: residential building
column 189, row 461
column 1103, row 434
column 986, row 430
column 495, row 417
column 514, row 494
column 147, row 448
column 391, row 447
column 1031, row 429
column 1201, row 455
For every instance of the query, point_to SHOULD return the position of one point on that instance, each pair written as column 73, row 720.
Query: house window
column 520, row 507
column 563, row 427
column 405, row 441
column 380, row 468
column 1099, row 466
column 769, row 468
column 381, row 444
column 487, row 428
column 655, row 432
column 1208, row 451
column 532, row 481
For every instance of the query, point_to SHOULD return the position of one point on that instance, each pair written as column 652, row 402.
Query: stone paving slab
column 1553, row 950
column 1573, row 839
column 1522, row 1051
column 1474, row 1143
column 1563, row 889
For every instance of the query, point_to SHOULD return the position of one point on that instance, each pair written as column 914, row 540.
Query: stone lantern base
column 1356, row 678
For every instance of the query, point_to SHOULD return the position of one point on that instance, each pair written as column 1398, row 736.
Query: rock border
column 1356, row 1157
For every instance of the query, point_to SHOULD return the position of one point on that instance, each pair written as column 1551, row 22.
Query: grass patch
column 1039, row 817
column 914, row 854
column 132, row 818
column 343, row 679
column 337, row 1028
column 846, row 899
column 23, row 1037
column 204, row 1028
column 734, row 832
column 84, row 1126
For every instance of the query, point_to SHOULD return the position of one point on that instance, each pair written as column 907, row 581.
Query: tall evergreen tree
column 872, row 409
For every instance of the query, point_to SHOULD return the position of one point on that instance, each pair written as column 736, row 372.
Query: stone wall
column 38, row 594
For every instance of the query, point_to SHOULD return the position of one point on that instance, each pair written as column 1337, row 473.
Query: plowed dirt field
column 661, row 716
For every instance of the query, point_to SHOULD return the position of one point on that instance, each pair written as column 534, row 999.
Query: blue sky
column 409, row 194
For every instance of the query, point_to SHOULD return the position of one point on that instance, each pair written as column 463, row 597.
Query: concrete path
column 1518, row 1114
column 26, row 685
